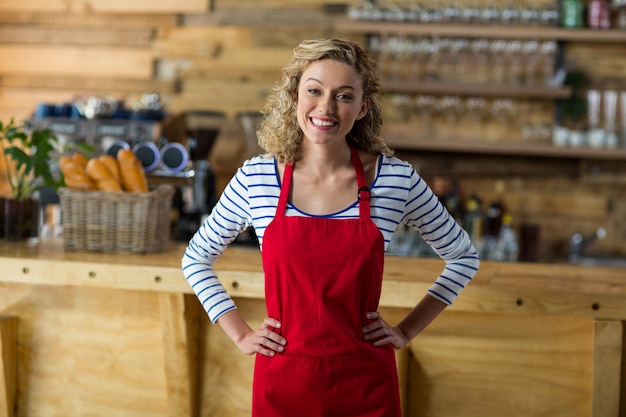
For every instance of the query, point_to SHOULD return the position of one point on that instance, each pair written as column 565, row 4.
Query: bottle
column 491, row 230
column 572, row 14
column 507, row 247
column 453, row 202
column 473, row 220
column 598, row 15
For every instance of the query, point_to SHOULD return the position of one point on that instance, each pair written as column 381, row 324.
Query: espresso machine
column 173, row 149
column 195, row 131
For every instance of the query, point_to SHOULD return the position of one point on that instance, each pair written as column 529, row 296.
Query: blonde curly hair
column 279, row 133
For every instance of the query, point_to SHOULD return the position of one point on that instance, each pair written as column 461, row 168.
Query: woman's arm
column 424, row 212
column 229, row 217
column 401, row 335
column 264, row 340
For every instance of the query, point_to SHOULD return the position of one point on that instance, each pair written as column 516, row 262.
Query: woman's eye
column 313, row 91
column 344, row 97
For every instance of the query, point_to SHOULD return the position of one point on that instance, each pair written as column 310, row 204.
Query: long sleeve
column 449, row 241
column 400, row 195
column 229, row 217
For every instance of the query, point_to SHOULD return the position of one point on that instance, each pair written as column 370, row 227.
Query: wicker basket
column 116, row 222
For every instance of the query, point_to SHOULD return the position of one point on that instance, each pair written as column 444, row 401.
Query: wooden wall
column 226, row 55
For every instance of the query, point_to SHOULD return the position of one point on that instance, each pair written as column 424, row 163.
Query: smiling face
column 330, row 100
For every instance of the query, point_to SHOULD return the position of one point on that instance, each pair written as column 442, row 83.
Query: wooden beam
column 253, row 14
column 21, row 34
column 160, row 23
column 607, row 367
column 143, row 6
column 96, row 62
column 180, row 315
column 110, row 6
column 8, row 366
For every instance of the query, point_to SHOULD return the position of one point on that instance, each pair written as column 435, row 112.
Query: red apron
column 321, row 278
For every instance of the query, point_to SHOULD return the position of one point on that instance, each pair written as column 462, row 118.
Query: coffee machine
column 173, row 149
column 196, row 132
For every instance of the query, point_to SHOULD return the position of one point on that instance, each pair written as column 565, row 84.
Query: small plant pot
column 19, row 219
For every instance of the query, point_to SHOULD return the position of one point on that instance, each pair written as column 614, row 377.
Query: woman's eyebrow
column 338, row 88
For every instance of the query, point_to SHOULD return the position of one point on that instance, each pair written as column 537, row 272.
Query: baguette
column 80, row 160
column 97, row 171
column 112, row 165
column 75, row 176
column 133, row 177
column 64, row 161
column 102, row 175
column 109, row 185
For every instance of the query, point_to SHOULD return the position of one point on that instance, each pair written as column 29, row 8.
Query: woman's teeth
column 322, row 123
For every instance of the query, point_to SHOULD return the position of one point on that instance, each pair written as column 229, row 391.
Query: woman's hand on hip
column 381, row 333
column 264, row 340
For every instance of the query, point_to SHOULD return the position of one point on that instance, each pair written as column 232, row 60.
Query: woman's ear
column 365, row 106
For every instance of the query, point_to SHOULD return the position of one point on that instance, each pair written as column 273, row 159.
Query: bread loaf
column 105, row 174
column 109, row 185
column 112, row 166
column 74, row 175
column 97, row 171
column 80, row 160
column 132, row 175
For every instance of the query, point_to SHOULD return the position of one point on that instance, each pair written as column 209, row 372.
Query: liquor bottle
column 598, row 14
column 572, row 14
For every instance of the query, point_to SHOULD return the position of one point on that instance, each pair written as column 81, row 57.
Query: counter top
column 520, row 288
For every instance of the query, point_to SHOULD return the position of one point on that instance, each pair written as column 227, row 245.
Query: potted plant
column 28, row 164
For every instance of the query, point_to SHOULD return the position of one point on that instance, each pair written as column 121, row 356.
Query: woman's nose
column 327, row 105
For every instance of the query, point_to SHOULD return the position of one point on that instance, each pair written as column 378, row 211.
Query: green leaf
column 32, row 154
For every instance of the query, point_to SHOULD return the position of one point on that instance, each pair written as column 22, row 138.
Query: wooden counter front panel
column 465, row 364
column 87, row 351
column 502, row 365
column 100, row 352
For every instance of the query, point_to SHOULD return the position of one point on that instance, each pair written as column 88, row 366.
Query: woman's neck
column 322, row 160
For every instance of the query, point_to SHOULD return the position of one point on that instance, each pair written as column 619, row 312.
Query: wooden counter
column 105, row 334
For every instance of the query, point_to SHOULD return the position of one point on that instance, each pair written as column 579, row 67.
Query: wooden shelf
column 482, row 31
column 404, row 137
column 478, row 89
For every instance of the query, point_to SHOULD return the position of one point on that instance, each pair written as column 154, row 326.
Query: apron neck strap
column 364, row 191
column 284, row 189
column 363, row 194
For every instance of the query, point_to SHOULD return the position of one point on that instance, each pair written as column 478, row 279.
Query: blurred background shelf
column 483, row 31
column 477, row 89
column 406, row 136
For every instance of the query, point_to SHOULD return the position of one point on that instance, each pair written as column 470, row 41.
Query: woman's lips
column 322, row 122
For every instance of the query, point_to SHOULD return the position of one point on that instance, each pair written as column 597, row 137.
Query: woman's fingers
column 381, row 333
column 270, row 342
column 269, row 322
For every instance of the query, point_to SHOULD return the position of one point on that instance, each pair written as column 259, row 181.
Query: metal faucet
column 578, row 244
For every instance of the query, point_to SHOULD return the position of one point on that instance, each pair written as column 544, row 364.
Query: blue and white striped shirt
column 398, row 195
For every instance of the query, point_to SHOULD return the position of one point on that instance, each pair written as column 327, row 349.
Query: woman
column 324, row 202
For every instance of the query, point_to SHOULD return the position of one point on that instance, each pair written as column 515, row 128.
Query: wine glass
column 497, row 60
column 479, row 60
column 425, row 106
column 450, row 107
column 403, row 106
column 547, row 57
column 421, row 54
column 475, row 107
column 513, row 61
column 530, row 60
column 504, row 111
